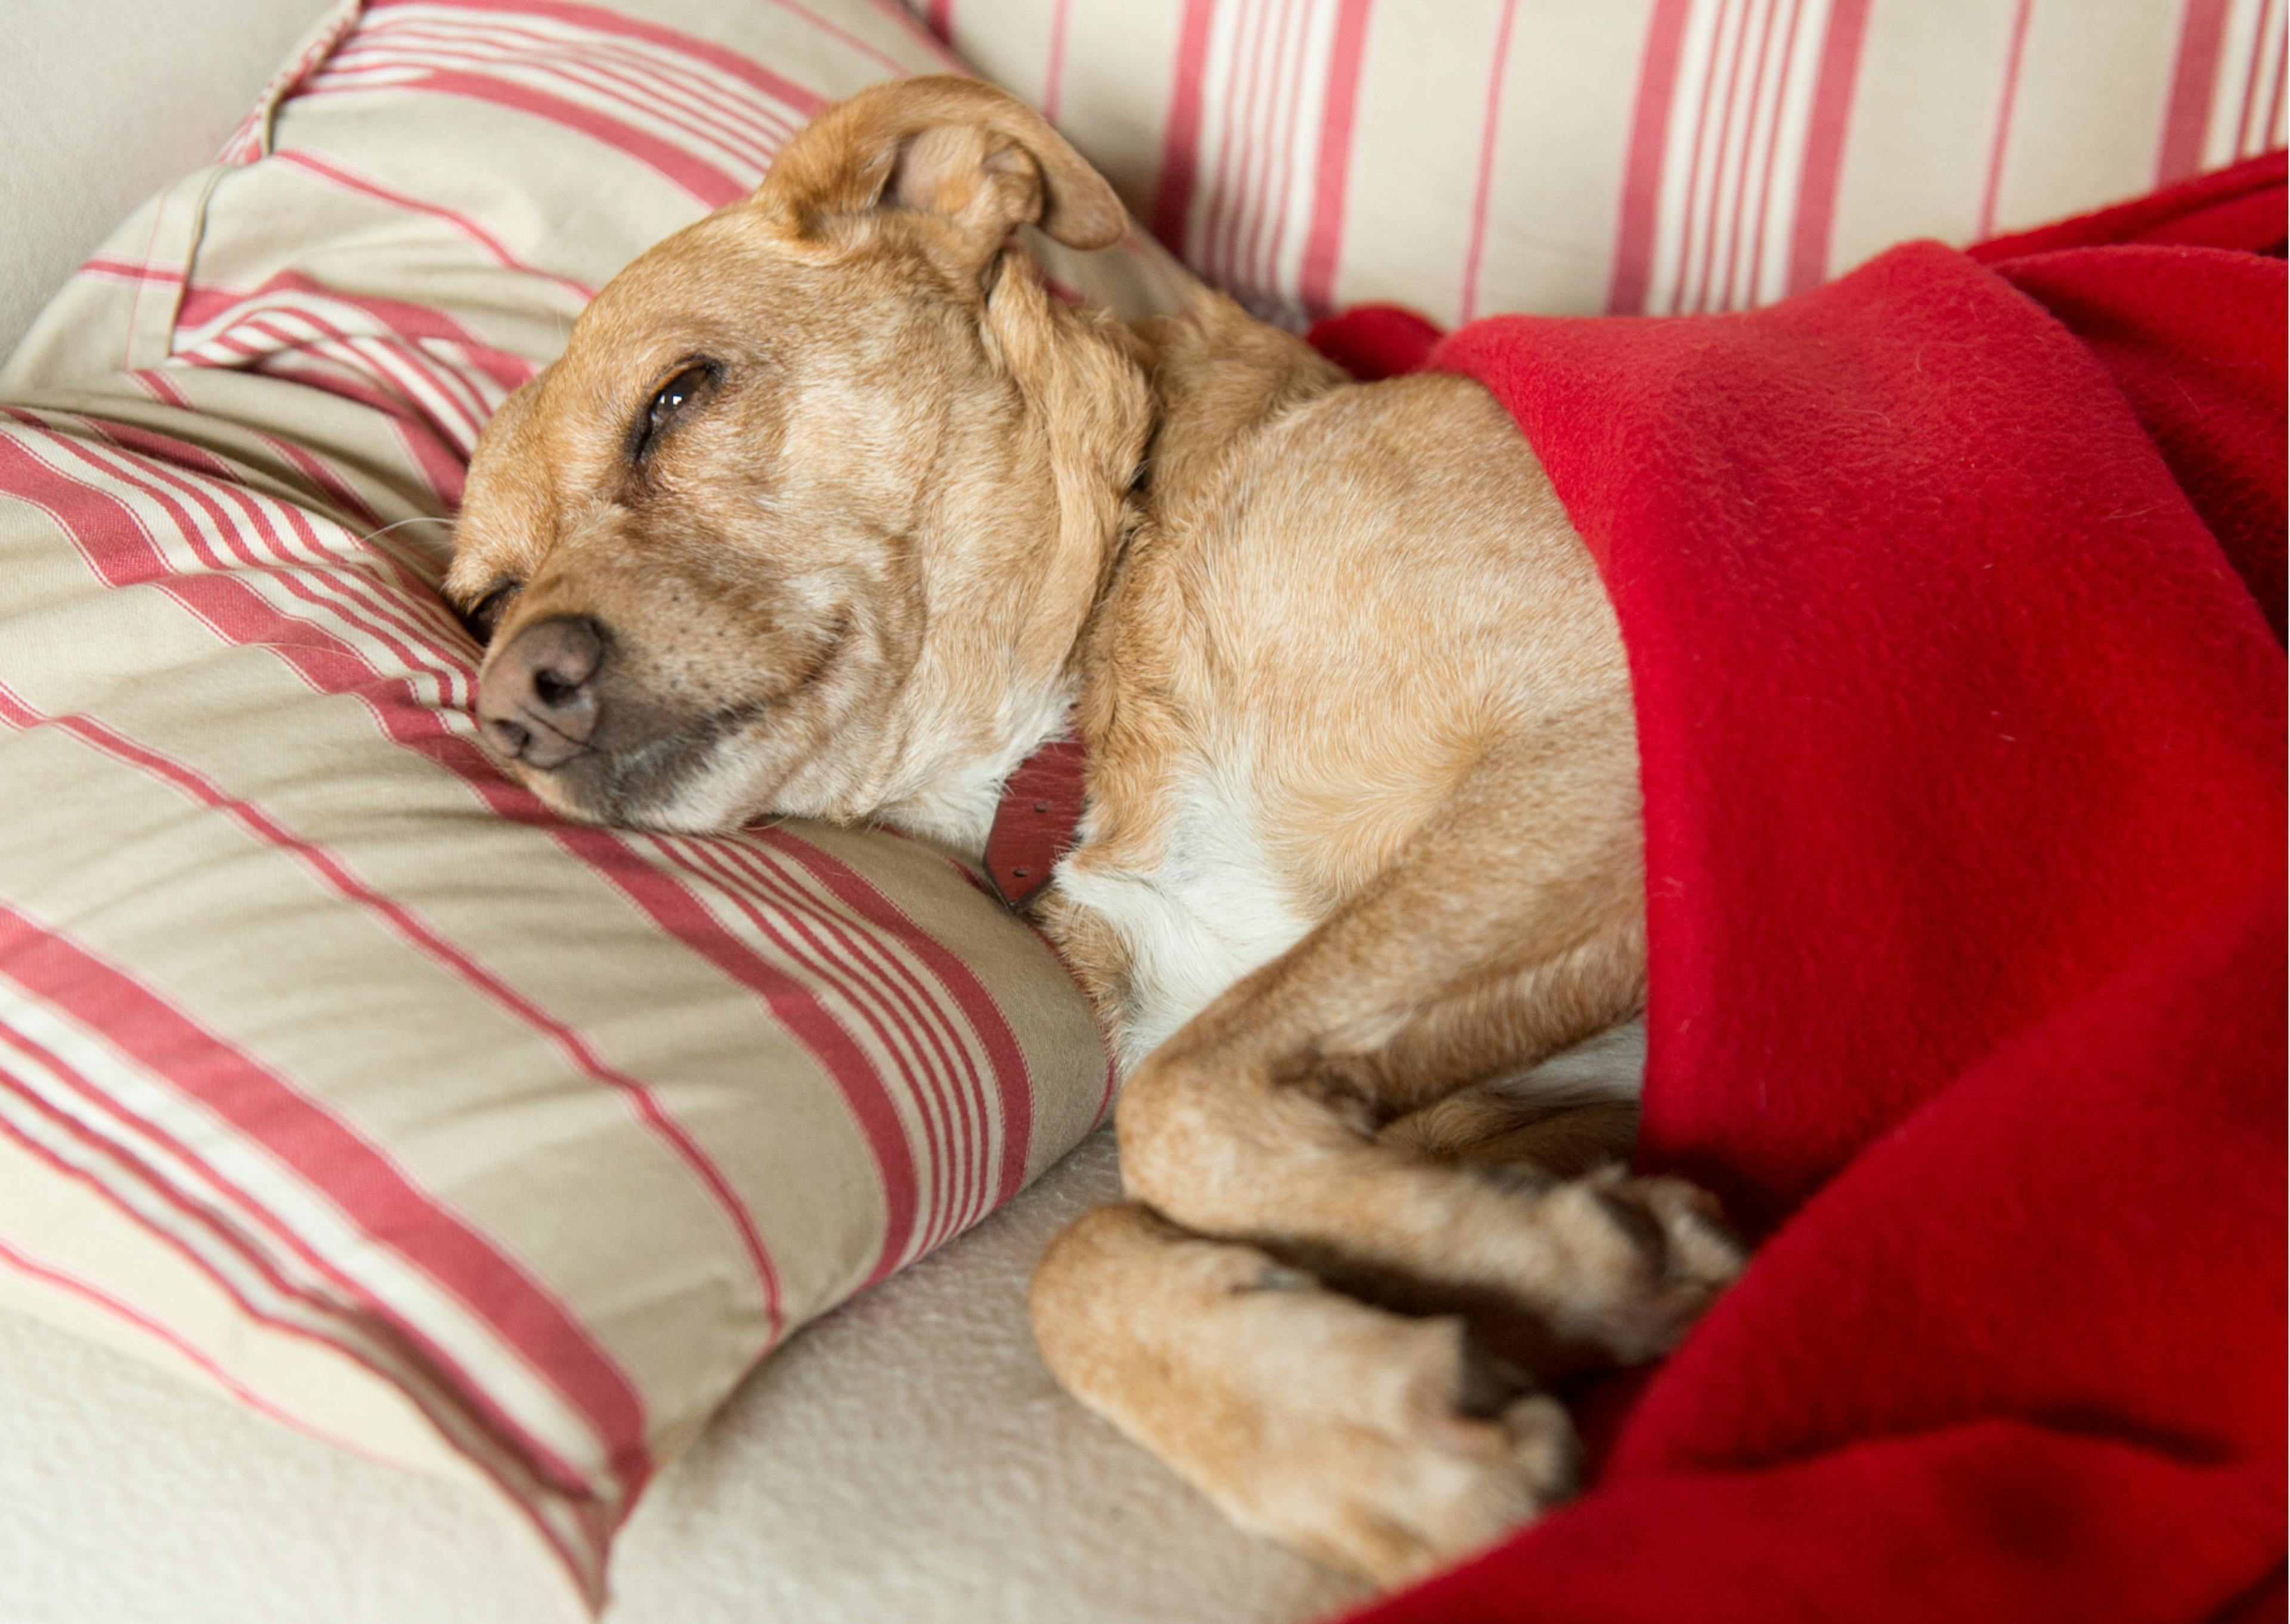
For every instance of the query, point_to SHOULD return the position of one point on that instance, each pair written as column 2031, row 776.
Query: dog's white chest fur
column 1209, row 912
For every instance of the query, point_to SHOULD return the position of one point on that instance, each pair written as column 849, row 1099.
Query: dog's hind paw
column 1384, row 1444
column 1398, row 1490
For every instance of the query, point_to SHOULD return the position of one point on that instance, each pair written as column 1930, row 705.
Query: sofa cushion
column 1636, row 156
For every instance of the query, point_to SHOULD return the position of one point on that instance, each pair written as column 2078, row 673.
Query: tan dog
column 829, row 509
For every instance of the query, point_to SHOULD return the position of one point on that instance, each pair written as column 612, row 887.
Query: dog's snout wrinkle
column 538, row 703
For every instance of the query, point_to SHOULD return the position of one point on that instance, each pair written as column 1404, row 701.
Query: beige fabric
column 105, row 101
column 1636, row 156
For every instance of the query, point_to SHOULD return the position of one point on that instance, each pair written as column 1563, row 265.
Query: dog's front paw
column 1645, row 1259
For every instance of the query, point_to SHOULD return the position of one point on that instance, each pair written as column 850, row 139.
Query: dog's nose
column 538, row 702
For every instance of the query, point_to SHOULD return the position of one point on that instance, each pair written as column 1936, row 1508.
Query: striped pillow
column 333, row 1070
column 1638, row 156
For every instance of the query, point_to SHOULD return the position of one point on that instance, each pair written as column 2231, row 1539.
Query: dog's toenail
column 1642, row 1227
column 1276, row 1277
column 1513, row 1178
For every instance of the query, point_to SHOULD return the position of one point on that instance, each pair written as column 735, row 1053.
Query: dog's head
column 807, row 517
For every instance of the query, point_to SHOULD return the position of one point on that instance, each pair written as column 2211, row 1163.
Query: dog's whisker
column 419, row 518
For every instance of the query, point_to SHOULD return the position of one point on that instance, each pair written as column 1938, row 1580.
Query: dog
column 830, row 509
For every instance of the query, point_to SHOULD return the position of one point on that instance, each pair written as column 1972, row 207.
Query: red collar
column 1034, row 825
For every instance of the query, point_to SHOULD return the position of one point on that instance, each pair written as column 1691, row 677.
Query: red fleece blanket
column 1947, row 590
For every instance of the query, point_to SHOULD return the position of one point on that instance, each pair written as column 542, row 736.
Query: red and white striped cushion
column 333, row 1069
column 1638, row 156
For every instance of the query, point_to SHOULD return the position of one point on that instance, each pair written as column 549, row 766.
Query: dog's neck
column 1208, row 378
column 960, row 804
column 1089, row 383
column 1194, row 385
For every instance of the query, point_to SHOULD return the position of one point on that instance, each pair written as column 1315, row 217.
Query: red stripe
column 797, row 1008
column 1265, row 138
column 1229, row 195
column 1283, row 186
column 2247, row 141
column 330, row 666
column 1988, row 194
column 412, row 362
column 374, row 613
column 1770, row 124
column 430, row 444
column 203, row 306
column 693, row 106
column 1012, row 1080
column 374, row 621
column 1253, row 188
column 415, row 931
column 941, row 19
column 1824, row 143
column 425, row 1372
column 119, row 1307
column 451, row 404
column 2194, row 84
column 1331, row 176
column 1181, row 140
column 1220, row 191
column 328, row 487
column 410, row 927
column 350, row 180
column 704, row 119
column 957, row 1088
column 912, row 28
column 357, row 1178
column 1725, row 162
column 844, row 36
column 431, row 455
column 1488, row 124
column 1642, row 174
column 434, row 393
column 469, row 1419
column 436, row 449
column 801, row 98
column 397, row 917
column 1271, row 230
column 703, row 182
column 1772, row 150
column 1694, row 171
column 1054, row 72
column 124, row 269
column 2274, row 100
column 791, row 927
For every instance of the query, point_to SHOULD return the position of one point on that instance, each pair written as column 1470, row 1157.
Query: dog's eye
column 485, row 613
column 669, row 402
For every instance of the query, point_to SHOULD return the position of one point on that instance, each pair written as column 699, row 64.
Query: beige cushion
column 331, row 1069
column 1568, row 157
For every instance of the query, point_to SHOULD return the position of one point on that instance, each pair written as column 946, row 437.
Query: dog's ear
column 974, row 160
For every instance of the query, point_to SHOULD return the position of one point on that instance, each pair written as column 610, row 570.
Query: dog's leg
column 1379, row 1443
column 1380, row 1440
column 1511, row 928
